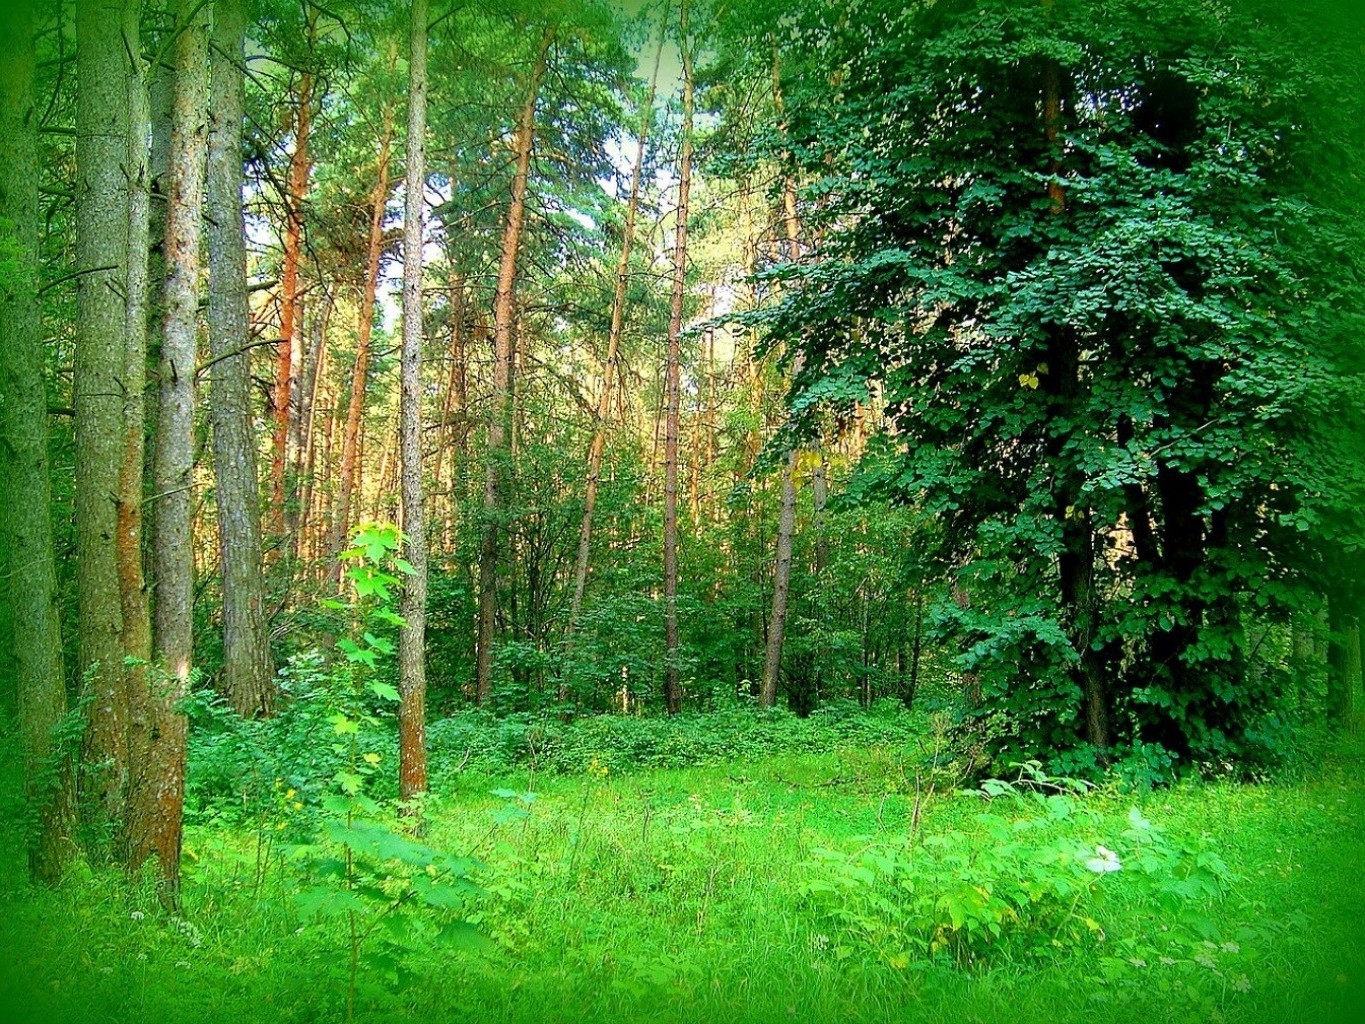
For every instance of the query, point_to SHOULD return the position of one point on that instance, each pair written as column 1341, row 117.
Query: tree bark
column 25, row 514
column 299, row 164
column 248, row 674
column 101, row 256
column 172, row 546
column 618, row 308
column 313, row 374
column 144, row 776
column 786, row 519
column 673, row 389
column 350, row 444
column 499, row 423
column 412, row 679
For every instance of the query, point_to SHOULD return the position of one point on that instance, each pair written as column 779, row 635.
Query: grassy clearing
column 682, row 895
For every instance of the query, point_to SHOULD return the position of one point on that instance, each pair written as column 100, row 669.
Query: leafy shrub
column 1023, row 884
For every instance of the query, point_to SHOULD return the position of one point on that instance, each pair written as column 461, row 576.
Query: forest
column 682, row 510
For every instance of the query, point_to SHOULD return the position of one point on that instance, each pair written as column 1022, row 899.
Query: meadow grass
column 682, row 896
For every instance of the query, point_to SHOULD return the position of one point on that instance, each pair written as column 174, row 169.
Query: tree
column 612, row 354
column 673, row 382
column 504, row 322
column 350, row 450
column 26, row 518
column 160, row 818
column 412, row 679
column 102, row 131
column 786, row 522
column 248, row 674
column 1067, row 257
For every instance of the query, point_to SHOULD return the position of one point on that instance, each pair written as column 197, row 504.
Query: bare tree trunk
column 313, row 374
column 504, row 315
column 137, row 626
column 299, row 165
column 786, row 520
column 452, row 405
column 672, row 389
column 618, row 308
column 412, row 677
column 350, row 444
column 101, row 256
column 248, row 675
column 25, row 514
column 161, row 815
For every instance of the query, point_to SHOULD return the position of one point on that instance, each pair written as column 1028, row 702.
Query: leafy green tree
column 1075, row 257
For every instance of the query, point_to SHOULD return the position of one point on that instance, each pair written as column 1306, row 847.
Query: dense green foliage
column 1088, row 256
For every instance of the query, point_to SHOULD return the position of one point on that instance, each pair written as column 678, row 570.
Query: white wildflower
column 1104, row 861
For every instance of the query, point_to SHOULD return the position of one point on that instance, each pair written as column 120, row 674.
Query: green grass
column 676, row 895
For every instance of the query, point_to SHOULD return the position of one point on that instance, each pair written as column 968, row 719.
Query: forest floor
column 806, row 886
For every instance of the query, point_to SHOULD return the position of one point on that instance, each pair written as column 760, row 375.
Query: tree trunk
column 25, row 514
column 350, row 444
column 144, row 777
column 412, row 678
column 1076, row 561
column 499, row 423
column 282, row 400
column 451, row 429
column 248, row 675
column 673, row 389
column 161, row 813
column 313, row 375
column 101, row 255
column 786, row 520
column 618, row 308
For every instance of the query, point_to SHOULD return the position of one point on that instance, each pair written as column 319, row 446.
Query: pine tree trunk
column 452, row 405
column 248, row 674
column 786, row 520
column 350, row 445
column 101, row 256
column 499, row 423
column 313, row 374
column 412, row 679
column 25, row 514
column 144, row 777
column 161, row 815
column 282, row 399
column 618, row 308
column 672, row 391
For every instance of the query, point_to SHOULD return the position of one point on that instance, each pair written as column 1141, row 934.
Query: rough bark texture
column 144, row 774
column 412, row 677
column 504, row 316
column 618, row 309
column 248, row 675
column 101, row 254
column 25, row 517
column 672, row 391
column 172, row 550
column 350, row 445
